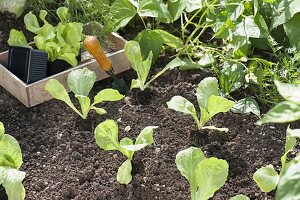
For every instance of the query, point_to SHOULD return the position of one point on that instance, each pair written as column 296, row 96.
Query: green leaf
column 146, row 135
column 150, row 41
column 81, row 81
column 11, row 180
column 153, row 8
column 283, row 112
column 107, row 95
column 10, row 152
column 181, row 104
column 169, row 39
column 290, row 142
column 32, row 23
column 211, row 175
column 100, row 111
column 217, row 104
column 176, row 62
column 58, row 91
column 15, row 7
column 121, row 11
column 85, row 104
column 42, row 16
column 245, row 106
column 17, row 38
column 175, row 8
column 124, row 172
column 206, row 88
column 289, row 187
column 290, row 92
column 186, row 162
column 192, row 5
column 284, row 11
column 240, row 197
column 106, row 135
column 68, row 57
column 215, row 128
column 2, row 130
column 63, row 14
column 249, row 28
column 142, row 67
column 125, row 142
column 266, row 178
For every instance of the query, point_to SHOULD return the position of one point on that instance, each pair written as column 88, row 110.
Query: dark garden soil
column 62, row 160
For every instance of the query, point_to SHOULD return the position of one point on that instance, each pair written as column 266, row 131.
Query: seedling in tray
column 106, row 135
column 81, row 82
column 209, row 101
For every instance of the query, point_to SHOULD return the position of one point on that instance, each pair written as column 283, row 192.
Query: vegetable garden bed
column 61, row 155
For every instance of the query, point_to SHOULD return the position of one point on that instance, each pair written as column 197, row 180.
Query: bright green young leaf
column 206, row 88
column 288, row 187
column 290, row 92
column 107, row 95
column 245, row 106
column 81, row 81
column 100, row 111
column 210, row 175
column 284, row 11
column 169, row 39
column 32, row 23
column 176, row 8
column 125, row 149
column 150, row 41
column 192, row 5
column 153, row 8
column 122, row 11
column 283, row 112
column 10, row 152
column 186, row 162
column 11, row 180
column 181, row 104
column 63, row 14
column 266, row 178
column 85, row 104
column 217, row 104
column 106, row 135
column 146, row 136
column 290, row 142
column 207, row 60
column 15, row 7
column 124, row 172
column 240, row 197
column 17, row 38
column 142, row 67
column 2, row 130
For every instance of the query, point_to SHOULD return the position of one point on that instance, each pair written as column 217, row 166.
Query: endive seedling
column 106, row 135
column 209, row 101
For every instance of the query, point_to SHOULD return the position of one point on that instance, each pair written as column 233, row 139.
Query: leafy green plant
column 288, row 110
column 205, row 175
column 10, row 162
column 60, row 42
column 142, row 67
column 15, row 7
column 240, row 197
column 106, row 135
column 80, row 82
column 210, row 103
column 268, row 179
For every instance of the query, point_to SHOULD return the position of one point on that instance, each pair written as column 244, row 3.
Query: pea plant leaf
column 266, row 178
column 291, row 28
column 284, row 11
column 245, row 106
column 106, row 135
column 211, row 175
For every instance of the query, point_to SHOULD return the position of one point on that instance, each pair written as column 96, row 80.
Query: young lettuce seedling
column 205, row 175
column 287, row 181
column 142, row 67
column 81, row 82
column 209, row 101
column 10, row 161
column 106, row 135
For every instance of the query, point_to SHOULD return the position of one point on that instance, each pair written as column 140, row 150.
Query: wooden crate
column 34, row 93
